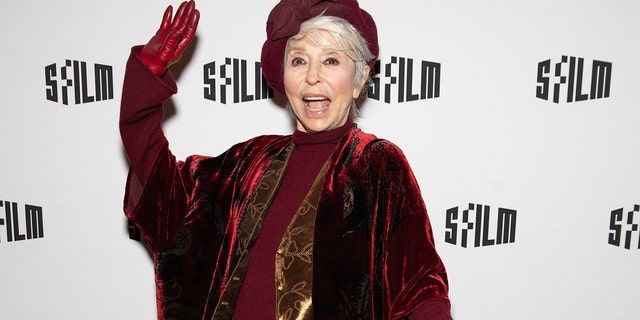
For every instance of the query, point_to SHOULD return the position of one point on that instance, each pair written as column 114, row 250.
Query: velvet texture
column 373, row 253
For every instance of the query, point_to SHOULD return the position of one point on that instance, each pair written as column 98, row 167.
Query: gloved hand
column 167, row 45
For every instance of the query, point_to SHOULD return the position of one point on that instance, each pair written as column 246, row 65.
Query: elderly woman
column 326, row 223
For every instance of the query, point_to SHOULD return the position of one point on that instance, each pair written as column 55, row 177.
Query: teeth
column 307, row 100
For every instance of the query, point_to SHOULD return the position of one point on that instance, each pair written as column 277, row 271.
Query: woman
column 332, row 217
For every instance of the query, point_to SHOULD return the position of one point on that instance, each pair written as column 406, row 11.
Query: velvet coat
column 373, row 252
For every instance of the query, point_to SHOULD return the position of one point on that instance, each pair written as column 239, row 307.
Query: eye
column 297, row 61
column 332, row 61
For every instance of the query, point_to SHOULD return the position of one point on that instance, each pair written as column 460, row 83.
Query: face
column 319, row 84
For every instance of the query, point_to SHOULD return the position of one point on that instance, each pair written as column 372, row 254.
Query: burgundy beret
column 285, row 19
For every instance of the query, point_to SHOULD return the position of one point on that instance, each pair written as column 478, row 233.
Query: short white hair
column 348, row 39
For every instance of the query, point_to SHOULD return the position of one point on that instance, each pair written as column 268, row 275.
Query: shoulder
column 261, row 146
column 255, row 145
column 241, row 155
column 267, row 139
column 377, row 157
column 373, row 148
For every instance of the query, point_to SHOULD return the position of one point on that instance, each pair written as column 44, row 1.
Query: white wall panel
column 487, row 139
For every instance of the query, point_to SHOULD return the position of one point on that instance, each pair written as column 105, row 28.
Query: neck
column 330, row 136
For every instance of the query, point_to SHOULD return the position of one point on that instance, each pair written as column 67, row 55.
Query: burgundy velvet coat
column 373, row 252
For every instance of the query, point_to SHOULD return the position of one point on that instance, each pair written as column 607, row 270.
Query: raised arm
column 153, row 169
column 147, row 85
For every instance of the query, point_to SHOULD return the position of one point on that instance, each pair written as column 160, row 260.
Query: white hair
column 348, row 39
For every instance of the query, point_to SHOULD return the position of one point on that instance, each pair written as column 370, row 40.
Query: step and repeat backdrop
column 520, row 119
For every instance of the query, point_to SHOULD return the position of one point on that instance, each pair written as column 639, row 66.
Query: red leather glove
column 167, row 45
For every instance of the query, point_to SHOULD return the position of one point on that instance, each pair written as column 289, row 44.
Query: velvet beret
column 285, row 19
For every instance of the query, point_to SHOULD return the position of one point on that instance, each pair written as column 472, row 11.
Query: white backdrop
column 487, row 139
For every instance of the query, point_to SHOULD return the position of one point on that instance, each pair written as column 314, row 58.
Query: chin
column 315, row 126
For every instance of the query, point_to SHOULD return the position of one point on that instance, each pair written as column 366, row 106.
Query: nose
column 314, row 73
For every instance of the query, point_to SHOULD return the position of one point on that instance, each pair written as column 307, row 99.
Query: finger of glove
column 183, row 11
column 186, row 20
column 166, row 18
column 188, row 31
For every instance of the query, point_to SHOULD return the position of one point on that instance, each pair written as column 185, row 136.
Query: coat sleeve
column 411, row 269
column 155, row 194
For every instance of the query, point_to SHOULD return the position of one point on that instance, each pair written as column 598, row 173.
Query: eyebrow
column 295, row 49
column 328, row 51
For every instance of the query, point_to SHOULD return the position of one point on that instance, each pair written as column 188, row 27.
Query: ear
column 358, row 89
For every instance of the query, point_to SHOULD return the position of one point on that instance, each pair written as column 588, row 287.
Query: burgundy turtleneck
column 257, row 299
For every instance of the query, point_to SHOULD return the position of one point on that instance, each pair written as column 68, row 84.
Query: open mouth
column 316, row 103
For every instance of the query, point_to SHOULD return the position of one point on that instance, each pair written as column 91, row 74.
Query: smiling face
column 319, row 83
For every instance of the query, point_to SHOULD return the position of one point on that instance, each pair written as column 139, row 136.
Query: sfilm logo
column 405, row 80
column 570, row 73
column 73, row 79
column 476, row 222
column 19, row 228
column 237, row 79
column 624, row 228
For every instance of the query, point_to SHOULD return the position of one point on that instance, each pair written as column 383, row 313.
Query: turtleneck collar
column 332, row 136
